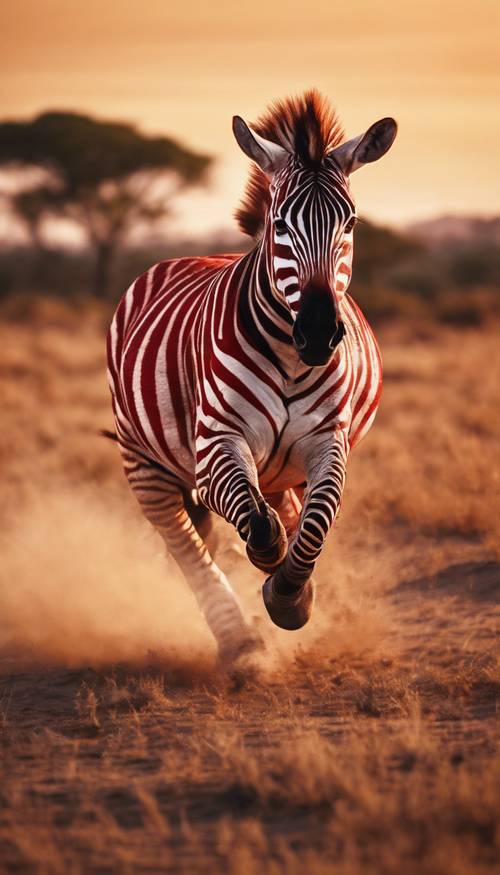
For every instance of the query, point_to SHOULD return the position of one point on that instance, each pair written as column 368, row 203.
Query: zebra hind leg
column 202, row 519
column 163, row 501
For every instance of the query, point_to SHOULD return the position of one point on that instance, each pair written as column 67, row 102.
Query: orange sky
column 186, row 69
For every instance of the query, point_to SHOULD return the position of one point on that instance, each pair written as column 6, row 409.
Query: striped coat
column 182, row 366
column 246, row 381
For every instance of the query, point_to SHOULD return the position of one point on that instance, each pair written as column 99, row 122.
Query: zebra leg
column 227, row 483
column 202, row 519
column 289, row 593
column 162, row 500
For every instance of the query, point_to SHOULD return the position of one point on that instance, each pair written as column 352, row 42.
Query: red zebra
column 245, row 380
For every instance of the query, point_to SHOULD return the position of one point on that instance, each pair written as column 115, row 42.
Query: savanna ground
column 366, row 743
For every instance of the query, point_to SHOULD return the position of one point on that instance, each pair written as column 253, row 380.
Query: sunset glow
column 186, row 69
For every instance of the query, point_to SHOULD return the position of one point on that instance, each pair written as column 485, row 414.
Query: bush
column 393, row 275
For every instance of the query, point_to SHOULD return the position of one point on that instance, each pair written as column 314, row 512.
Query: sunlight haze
column 184, row 70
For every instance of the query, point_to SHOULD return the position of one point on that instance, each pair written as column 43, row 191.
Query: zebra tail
column 111, row 435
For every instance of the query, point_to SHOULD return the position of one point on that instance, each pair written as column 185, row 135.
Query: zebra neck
column 266, row 318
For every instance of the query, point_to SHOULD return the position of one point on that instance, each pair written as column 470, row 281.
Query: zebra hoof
column 289, row 611
column 267, row 542
column 247, row 642
column 241, row 662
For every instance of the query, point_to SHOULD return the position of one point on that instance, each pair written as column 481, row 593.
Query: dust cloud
column 86, row 581
column 82, row 582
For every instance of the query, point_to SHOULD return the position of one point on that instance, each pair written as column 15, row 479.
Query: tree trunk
column 103, row 258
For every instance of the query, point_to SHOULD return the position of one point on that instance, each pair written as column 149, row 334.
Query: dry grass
column 166, row 778
column 444, row 434
column 366, row 743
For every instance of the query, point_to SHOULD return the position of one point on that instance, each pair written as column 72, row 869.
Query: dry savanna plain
column 366, row 743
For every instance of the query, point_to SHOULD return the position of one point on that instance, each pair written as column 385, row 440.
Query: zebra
column 240, row 383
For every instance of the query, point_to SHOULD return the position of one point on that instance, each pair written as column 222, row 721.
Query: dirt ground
column 366, row 743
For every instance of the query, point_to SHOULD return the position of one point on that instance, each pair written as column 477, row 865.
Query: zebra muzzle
column 317, row 329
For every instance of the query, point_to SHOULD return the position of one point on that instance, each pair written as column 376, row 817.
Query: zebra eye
column 350, row 225
column 280, row 227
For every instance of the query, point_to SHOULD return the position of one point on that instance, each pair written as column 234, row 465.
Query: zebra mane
column 308, row 127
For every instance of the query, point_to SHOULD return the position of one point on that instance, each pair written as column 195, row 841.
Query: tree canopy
column 84, row 151
column 103, row 175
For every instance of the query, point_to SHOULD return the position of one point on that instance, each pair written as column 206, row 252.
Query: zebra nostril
column 300, row 341
column 337, row 336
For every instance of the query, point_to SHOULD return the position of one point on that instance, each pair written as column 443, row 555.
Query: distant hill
column 457, row 229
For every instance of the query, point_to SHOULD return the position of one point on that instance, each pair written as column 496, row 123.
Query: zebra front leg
column 162, row 500
column 289, row 593
column 227, row 483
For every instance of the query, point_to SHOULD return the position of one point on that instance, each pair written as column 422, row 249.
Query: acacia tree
column 106, row 177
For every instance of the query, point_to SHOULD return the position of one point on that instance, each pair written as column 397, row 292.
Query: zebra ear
column 366, row 148
column 269, row 156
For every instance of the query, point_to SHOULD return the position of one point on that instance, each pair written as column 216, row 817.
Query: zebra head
column 307, row 230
